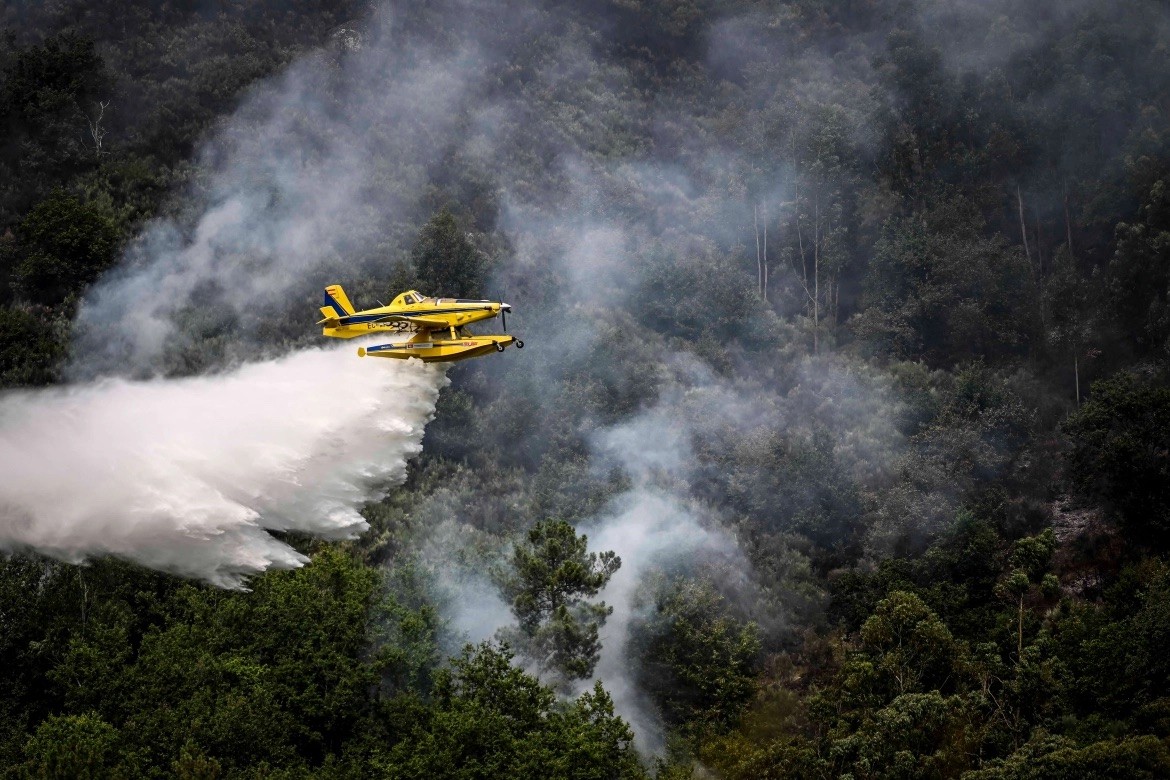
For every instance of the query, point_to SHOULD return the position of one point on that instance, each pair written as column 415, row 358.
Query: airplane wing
column 331, row 317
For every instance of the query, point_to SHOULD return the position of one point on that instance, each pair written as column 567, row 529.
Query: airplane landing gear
column 519, row 344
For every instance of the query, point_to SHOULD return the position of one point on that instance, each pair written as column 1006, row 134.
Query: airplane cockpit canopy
column 408, row 298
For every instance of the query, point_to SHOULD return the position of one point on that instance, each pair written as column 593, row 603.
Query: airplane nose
column 506, row 307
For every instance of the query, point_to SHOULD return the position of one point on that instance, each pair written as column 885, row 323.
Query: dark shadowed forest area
column 839, row 447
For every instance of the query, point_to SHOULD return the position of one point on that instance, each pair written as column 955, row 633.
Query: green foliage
column 1139, row 279
column 701, row 297
column 490, row 720
column 1141, row 758
column 47, row 95
column 154, row 678
column 1120, row 438
column 193, row 764
column 900, row 703
column 956, row 577
column 29, row 348
column 784, row 483
column 917, row 735
column 923, row 120
column 938, row 289
column 1117, row 669
column 404, row 629
column 66, row 65
column 1030, row 559
column 446, row 261
column 203, row 678
column 698, row 662
column 63, row 245
column 73, row 747
column 1086, row 672
column 1032, row 555
column 908, row 648
column 551, row 578
column 976, row 439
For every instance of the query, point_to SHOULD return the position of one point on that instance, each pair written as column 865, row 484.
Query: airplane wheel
column 519, row 344
column 499, row 347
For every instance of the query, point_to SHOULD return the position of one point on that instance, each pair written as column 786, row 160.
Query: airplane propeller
column 504, row 309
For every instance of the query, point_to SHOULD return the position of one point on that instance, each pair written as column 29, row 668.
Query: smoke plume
column 189, row 476
column 302, row 186
column 647, row 529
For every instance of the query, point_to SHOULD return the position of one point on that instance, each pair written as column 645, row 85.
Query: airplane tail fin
column 336, row 303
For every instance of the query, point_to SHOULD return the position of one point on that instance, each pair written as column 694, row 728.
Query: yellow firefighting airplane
column 437, row 325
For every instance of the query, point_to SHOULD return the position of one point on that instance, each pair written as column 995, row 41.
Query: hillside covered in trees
column 839, row 447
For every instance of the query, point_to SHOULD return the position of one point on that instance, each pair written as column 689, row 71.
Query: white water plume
column 190, row 475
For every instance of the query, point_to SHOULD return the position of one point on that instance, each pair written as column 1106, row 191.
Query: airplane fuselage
column 430, row 314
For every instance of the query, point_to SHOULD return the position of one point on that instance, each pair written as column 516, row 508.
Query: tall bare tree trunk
column 1023, row 229
column 84, row 594
column 817, row 274
column 1040, row 273
column 96, row 130
column 803, row 261
column 765, row 257
column 1077, row 374
column 1039, row 246
column 809, row 298
column 1020, row 631
column 756, row 228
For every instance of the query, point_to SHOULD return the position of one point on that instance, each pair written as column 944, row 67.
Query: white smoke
column 646, row 528
column 308, row 180
column 190, row 475
column 654, row 525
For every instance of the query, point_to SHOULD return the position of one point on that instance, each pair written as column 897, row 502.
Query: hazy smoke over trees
column 771, row 262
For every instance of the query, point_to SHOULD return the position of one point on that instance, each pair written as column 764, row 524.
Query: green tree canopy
column 446, row 261
column 1121, row 437
column 551, row 578
column 73, row 747
column 47, row 95
column 698, row 660
column 491, row 720
column 940, row 288
column 63, row 245
column 29, row 348
column 1140, row 272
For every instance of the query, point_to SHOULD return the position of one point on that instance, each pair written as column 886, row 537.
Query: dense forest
column 840, row 445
